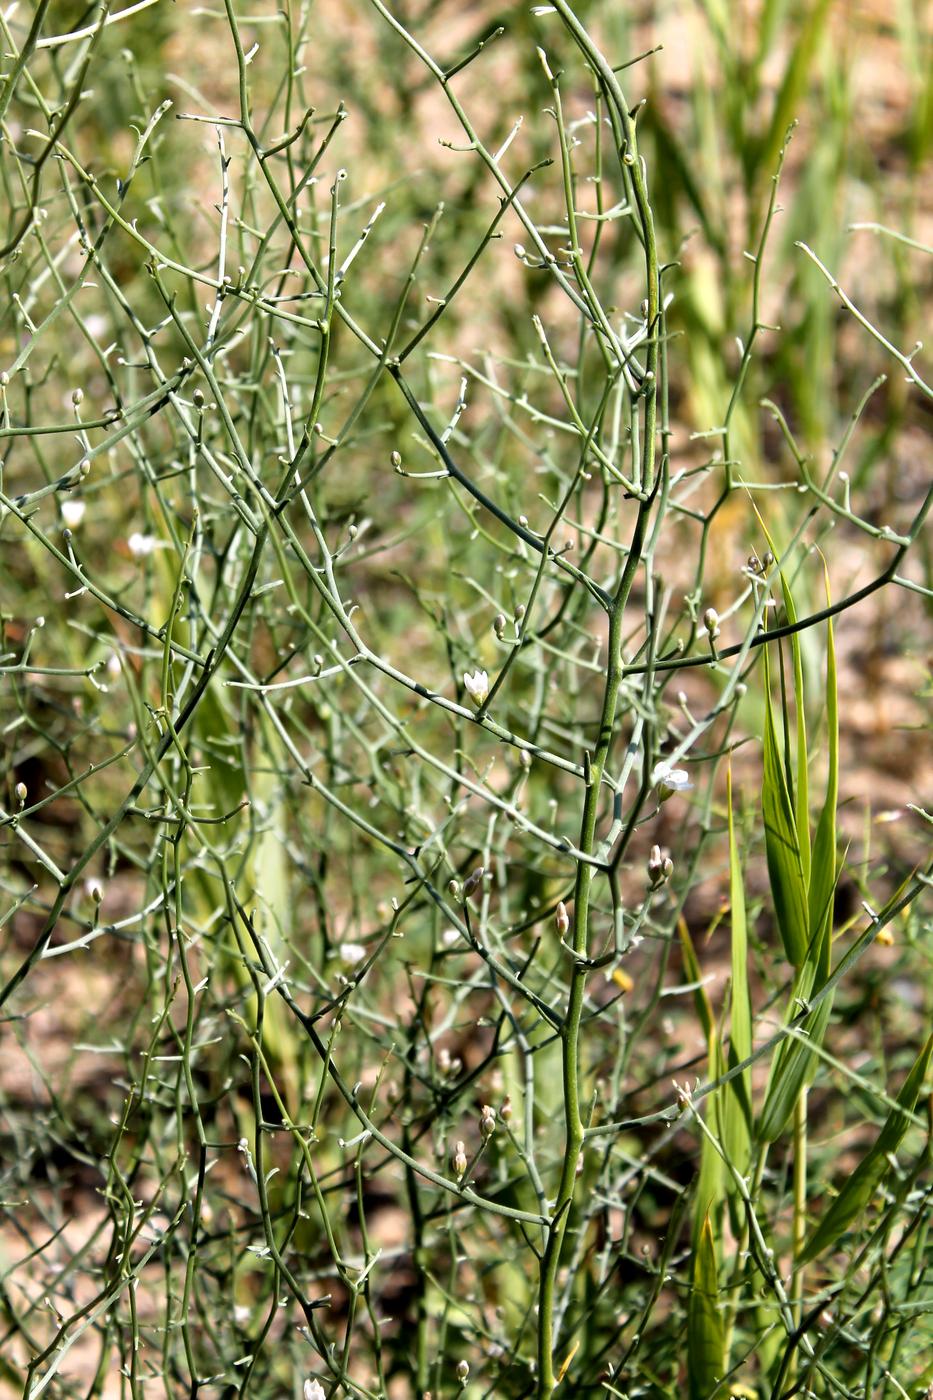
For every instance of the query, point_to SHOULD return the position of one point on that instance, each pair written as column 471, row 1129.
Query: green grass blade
column 711, row 1179
column 856, row 1194
column 705, row 1327
column 802, row 784
column 695, row 975
column 785, row 867
column 763, row 154
column 795, row 1062
column 736, row 1108
column 824, row 874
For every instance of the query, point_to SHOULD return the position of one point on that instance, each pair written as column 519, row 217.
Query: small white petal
column 73, row 512
column 670, row 779
column 476, row 685
column 313, row 1390
column 351, row 953
column 141, row 545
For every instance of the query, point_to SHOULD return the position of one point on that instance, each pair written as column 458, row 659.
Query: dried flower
column 459, row 1159
column 487, row 1122
column 477, row 685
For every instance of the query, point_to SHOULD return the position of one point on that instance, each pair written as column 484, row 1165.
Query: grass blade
column 736, row 1107
column 785, row 866
column 861, row 1185
column 823, row 874
column 705, row 1330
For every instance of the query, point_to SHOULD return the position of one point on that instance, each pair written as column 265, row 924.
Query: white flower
column 477, row 685
column 141, row 545
column 73, row 512
column 450, row 936
column 351, row 953
column 313, row 1390
column 667, row 780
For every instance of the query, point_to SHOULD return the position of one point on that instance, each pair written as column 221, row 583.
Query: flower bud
column 487, row 1122
column 472, row 883
column 396, row 459
column 505, row 1110
column 459, row 1159
column 22, row 792
column 463, row 1370
column 498, row 625
column 711, row 623
column 660, row 868
column 562, row 919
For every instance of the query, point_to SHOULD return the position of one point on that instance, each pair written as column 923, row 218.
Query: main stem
column 570, row 1033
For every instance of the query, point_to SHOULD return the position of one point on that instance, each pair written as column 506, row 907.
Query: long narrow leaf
column 711, row 1180
column 785, row 868
column 736, row 1115
column 705, row 1329
column 795, row 1062
column 861, row 1185
column 802, row 784
column 823, row 872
